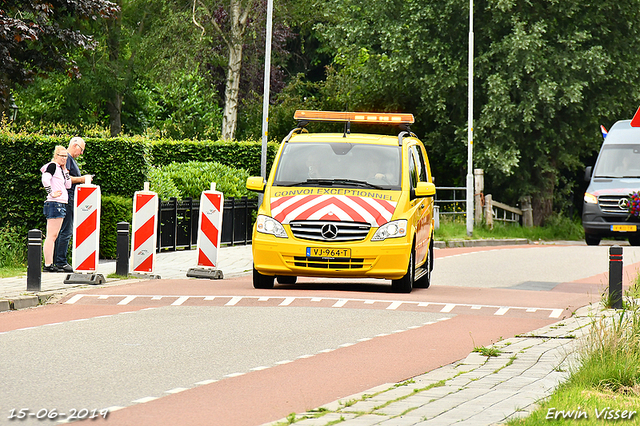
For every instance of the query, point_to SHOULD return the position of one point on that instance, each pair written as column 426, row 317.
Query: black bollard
column 615, row 277
column 122, row 249
column 34, row 260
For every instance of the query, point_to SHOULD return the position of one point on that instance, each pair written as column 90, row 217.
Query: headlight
column 395, row 229
column 268, row 225
column 590, row 198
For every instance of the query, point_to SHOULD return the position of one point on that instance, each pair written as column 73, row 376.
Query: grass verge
column 556, row 228
column 606, row 385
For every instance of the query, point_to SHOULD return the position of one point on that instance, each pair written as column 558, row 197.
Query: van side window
column 418, row 167
column 421, row 165
column 413, row 169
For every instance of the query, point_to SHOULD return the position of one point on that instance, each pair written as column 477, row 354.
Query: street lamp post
column 470, row 194
column 265, row 99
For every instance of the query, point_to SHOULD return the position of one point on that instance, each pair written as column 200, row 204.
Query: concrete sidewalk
column 233, row 261
column 476, row 391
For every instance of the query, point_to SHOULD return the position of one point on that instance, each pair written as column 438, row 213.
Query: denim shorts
column 54, row 210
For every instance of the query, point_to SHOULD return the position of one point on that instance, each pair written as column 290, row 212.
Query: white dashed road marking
column 338, row 302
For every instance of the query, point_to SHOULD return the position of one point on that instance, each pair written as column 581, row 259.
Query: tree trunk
column 235, row 42
column 232, row 89
column 542, row 202
column 114, row 108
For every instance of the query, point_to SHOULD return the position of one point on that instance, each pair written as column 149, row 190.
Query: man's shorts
column 54, row 210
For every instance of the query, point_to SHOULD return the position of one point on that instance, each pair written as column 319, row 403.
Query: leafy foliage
column 36, row 36
column 13, row 250
column 188, row 180
column 550, row 72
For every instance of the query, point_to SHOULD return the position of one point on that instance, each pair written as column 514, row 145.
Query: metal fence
column 452, row 200
column 178, row 222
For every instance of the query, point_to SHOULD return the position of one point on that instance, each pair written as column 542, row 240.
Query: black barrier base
column 93, row 279
column 212, row 274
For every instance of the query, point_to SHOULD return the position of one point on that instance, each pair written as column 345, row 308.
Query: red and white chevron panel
column 144, row 238
column 210, row 228
column 86, row 228
column 332, row 207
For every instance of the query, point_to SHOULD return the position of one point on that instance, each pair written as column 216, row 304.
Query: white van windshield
column 339, row 164
column 618, row 161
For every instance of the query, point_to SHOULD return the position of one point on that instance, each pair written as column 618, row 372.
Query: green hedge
column 114, row 209
column 120, row 165
column 239, row 155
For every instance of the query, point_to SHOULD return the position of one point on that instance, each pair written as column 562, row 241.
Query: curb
column 481, row 243
column 13, row 303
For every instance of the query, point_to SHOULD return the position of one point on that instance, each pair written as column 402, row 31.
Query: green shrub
column 13, row 249
column 114, row 209
column 184, row 180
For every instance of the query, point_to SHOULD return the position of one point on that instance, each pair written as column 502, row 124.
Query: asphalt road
column 189, row 351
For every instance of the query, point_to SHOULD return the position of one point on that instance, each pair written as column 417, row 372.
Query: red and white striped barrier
column 209, row 234
column 86, row 227
column 210, row 227
column 145, row 224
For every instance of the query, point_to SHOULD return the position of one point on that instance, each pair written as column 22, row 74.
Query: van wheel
column 262, row 281
column 284, row 279
column 591, row 240
column 635, row 240
column 405, row 284
column 425, row 280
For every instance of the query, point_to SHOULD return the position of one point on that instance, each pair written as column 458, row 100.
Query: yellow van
column 346, row 205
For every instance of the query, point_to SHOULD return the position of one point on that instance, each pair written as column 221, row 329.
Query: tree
column 550, row 72
column 230, row 25
column 37, row 36
column 547, row 72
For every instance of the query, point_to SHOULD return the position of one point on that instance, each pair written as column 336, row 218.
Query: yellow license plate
column 624, row 228
column 328, row 252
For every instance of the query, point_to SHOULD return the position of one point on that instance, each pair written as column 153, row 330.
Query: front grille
column 313, row 230
column 328, row 263
column 611, row 204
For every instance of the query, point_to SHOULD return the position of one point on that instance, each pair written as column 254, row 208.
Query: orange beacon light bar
column 354, row 117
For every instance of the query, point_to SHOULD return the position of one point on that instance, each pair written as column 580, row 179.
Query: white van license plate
column 624, row 228
column 328, row 252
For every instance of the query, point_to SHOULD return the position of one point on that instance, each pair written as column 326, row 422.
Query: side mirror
column 255, row 183
column 425, row 189
column 588, row 171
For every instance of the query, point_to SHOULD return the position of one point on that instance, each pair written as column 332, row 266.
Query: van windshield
column 618, row 161
column 339, row 164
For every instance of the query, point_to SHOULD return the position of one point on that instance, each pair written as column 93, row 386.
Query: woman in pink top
column 56, row 181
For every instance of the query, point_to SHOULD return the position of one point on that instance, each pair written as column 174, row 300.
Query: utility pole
column 470, row 194
column 265, row 96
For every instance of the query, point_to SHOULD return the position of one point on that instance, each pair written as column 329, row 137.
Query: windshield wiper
column 331, row 182
column 355, row 182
